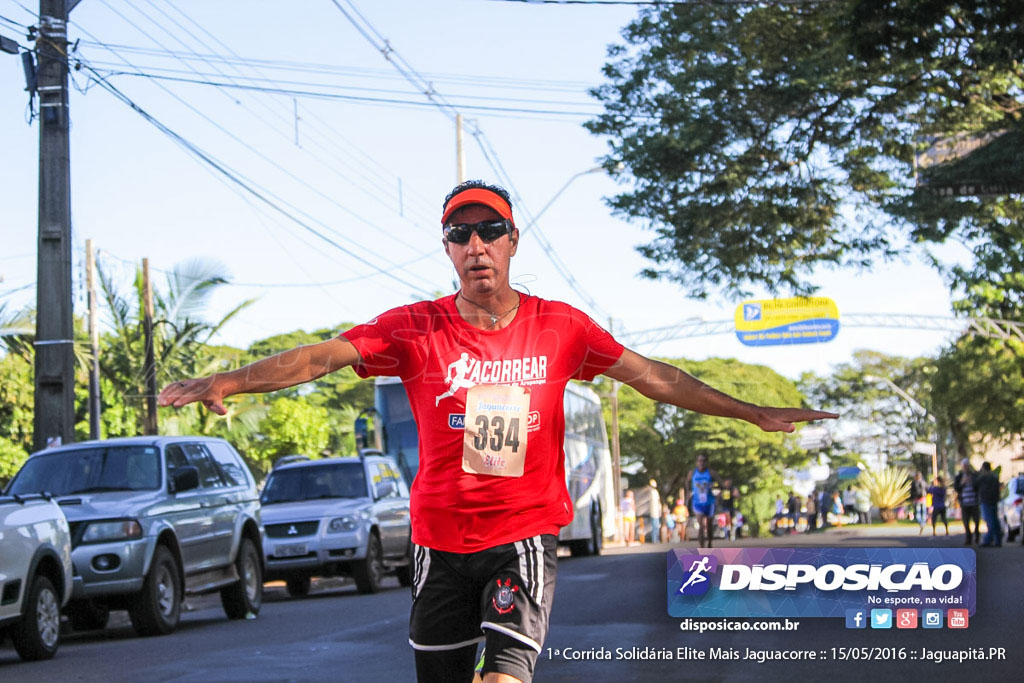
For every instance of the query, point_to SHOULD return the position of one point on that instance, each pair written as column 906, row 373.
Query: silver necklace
column 494, row 317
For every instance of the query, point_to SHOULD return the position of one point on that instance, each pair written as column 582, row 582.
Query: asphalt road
column 616, row 601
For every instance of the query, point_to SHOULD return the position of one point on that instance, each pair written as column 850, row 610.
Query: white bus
column 588, row 465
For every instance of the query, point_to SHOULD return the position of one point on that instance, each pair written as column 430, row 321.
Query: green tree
column 180, row 334
column 343, row 393
column 887, row 423
column 665, row 440
column 763, row 140
column 292, row 426
column 16, row 411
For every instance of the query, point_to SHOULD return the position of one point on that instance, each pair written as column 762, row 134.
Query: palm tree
column 181, row 336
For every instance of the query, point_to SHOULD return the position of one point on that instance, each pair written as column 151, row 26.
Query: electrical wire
column 301, row 181
column 477, row 81
column 384, row 47
column 150, row 69
column 329, row 135
column 244, row 184
column 351, row 98
column 372, row 191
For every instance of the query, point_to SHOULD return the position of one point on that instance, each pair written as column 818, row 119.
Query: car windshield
column 341, row 480
column 90, row 470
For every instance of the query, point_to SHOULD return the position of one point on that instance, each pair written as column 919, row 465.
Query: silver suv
column 35, row 573
column 153, row 518
column 337, row 516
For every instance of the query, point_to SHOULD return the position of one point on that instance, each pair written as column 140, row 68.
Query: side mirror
column 385, row 489
column 184, row 479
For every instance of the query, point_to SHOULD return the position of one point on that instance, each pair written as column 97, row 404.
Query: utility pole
column 616, row 463
column 460, row 152
column 94, row 343
column 150, row 369
column 54, row 419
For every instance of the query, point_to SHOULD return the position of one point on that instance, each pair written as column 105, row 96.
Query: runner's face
column 482, row 267
column 702, row 463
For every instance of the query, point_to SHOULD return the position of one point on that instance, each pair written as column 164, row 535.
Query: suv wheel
column 156, row 609
column 37, row 635
column 246, row 596
column 299, row 586
column 368, row 572
column 87, row 615
column 404, row 572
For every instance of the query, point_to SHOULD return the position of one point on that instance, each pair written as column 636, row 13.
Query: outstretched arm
column 668, row 384
column 296, row 366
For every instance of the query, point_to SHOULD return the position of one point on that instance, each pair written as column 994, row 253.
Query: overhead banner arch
column 797, row 320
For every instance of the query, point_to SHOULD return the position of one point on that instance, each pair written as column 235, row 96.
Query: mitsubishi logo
column 292, row 531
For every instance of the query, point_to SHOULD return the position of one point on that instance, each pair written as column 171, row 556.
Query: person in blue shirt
column 702, row 499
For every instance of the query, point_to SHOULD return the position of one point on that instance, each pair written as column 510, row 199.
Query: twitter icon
column 881, row 618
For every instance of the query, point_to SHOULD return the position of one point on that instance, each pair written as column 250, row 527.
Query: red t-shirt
column 547, row 344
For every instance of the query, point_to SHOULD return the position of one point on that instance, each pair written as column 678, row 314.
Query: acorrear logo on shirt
column 466, row 371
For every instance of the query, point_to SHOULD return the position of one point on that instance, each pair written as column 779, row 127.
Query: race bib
column 495, row 432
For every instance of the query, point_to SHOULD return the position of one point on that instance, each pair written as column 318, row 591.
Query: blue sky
column 137, row 193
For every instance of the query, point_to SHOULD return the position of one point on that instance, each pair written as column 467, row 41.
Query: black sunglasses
column 487, row 230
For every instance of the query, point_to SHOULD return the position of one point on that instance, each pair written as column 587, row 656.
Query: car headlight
column 117, row 530
column 341, row 524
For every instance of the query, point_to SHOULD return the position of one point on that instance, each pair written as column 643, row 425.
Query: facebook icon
column 856, row 618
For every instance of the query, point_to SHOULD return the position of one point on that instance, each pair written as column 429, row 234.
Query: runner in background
column 702, row 500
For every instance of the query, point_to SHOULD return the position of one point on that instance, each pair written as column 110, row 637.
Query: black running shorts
column 500, row 595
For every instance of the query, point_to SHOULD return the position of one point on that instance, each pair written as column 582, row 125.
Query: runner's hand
column 784, row 419
column 201, row 389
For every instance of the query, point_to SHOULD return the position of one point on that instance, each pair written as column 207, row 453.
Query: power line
column 373, row 193
column 350, row 98
column 150, row 69
column 275, row 164
column 241, row 182
column 302, row 182
column 403, row 67
column 329, row 133
column 476, row 80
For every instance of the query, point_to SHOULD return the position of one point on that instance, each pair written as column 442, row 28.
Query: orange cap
column 478, row 195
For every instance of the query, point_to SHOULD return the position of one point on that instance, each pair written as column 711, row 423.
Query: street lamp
column 910, row 399
column 597, row 169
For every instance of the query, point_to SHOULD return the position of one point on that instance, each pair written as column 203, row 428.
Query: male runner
column 489, row 499
column 702, row 499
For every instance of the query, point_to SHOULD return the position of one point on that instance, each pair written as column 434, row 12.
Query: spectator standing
column 862, row 503
column 793, row 507
column 967, row 494
column 812, row 511
column 938, row 494
column 668, row 524
column 837, row 507
column 648, row 512
column 681, row 514
column 987, row 485
column 628, row 509
column 728, row 496
column 917, row 494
